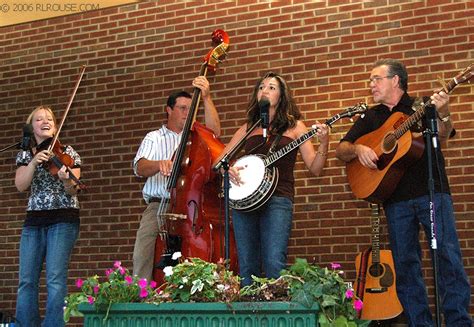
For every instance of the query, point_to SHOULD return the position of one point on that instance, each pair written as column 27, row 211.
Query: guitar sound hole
column 389, row 143
column 376, row 270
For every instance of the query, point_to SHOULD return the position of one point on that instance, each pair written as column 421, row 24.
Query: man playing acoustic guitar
column 408, row 205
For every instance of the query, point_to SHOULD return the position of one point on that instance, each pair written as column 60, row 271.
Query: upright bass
column 190, row 220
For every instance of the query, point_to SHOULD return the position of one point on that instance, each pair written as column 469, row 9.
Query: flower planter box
column 248, row 314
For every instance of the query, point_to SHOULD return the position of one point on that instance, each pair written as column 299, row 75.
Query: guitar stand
column 431, row 140
column 225, row 165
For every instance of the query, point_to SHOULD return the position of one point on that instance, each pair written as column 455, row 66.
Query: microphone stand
column 431, row 139
column 16, row 145
column 223, row 163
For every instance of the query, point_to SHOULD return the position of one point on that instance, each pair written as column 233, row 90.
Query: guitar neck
column 420, row 112
column 375, row 220
column 180, row 151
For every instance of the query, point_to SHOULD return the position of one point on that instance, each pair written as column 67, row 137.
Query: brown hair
column 287, row 112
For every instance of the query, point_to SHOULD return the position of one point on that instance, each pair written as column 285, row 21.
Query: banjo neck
column 270, row 159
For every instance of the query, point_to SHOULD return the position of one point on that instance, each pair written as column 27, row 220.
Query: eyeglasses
column 377, row 79
column 182, row 108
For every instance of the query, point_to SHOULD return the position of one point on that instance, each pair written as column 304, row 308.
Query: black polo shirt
column 414, row 182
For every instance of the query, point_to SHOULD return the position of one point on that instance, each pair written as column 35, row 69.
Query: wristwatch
column 446, row 118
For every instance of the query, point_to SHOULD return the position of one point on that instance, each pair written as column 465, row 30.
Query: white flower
column 220, row 287
column 168, row 270
column 176, row 255
column 184, row 280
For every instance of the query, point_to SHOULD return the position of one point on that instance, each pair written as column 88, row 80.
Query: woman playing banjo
column 262, row 233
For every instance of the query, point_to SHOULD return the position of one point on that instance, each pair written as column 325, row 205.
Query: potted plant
column 201, row 292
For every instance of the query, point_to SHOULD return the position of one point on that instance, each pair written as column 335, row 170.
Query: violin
column 58, row 159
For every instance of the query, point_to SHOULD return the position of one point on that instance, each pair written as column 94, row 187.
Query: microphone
column 432, row 124
column 264, row 105
column 26, row 140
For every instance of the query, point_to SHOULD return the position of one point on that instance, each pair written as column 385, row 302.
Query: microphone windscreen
column 264, row 103
column 27, row 130
column 430, row 112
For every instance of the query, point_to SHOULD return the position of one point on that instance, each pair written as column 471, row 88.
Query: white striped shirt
column 157, row 145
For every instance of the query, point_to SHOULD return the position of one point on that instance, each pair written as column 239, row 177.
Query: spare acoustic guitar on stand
column 375, row 284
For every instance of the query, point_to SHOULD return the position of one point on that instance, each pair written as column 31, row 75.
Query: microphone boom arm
column 233, row 151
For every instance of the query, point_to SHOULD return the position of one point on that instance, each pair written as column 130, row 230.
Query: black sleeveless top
column 285, row 165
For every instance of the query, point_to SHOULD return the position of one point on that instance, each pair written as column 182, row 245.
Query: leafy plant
column 196, row 280
column 119, row 287
column 309, row 284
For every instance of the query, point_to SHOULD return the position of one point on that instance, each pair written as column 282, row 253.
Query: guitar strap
column 361, row 278
column 418, row 102
column 275, row 143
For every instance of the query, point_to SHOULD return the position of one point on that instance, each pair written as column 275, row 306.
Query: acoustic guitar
column 375, row 284
column 396, row 148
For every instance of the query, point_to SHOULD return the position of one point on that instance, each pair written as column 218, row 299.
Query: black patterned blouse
column 49, row 202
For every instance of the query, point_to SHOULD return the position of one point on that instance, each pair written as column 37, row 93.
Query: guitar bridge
column 376, row 290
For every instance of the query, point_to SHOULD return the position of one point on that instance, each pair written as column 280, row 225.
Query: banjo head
column 251, row 176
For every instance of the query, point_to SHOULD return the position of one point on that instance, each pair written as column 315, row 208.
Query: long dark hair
column 286, row 113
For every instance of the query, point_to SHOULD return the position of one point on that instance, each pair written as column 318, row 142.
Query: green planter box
column 237, row 314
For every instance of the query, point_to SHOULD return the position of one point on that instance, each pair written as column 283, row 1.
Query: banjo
column 259, row 178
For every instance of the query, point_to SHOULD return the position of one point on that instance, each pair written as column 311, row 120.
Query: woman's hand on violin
column 63, row 174
column 202, row 83
column 24, row 174
column 41, row 157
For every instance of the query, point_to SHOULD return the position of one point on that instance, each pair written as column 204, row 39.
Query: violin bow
column 55, row 138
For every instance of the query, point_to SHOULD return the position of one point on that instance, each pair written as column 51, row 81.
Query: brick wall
column 136, row 54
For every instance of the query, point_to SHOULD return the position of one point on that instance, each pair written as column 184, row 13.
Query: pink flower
column 335, row 265
column 153, row 284
column 90, row 299
column 142, row 283
column 358, row 305
column 121, row 270
column 79, row 283
column 143, row 293
column 349, row 294
column 108, row 272
column 129, row 280
column 117, row 264
column 96, row 289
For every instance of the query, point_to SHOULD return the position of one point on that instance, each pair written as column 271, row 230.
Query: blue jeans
column 262, row 238
column 453, row 285
column 53, row 243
